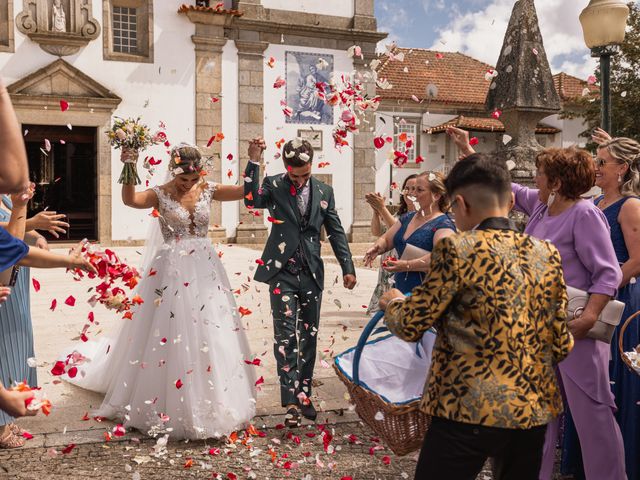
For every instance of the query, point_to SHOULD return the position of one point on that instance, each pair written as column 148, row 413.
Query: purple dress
column 581, row 235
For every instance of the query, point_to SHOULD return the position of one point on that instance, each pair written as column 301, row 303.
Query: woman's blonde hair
column 626, row 150
column 436, row 185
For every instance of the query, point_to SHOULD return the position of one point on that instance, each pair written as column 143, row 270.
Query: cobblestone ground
column 352, row 457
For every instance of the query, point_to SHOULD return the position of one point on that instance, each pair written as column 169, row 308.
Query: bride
column 178, row 366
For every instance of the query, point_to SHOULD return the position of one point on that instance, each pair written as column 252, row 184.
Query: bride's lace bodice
column 176, row 221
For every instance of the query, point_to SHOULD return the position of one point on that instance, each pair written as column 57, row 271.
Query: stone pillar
column 364, row 15
column 208, row 51
column 363, row 161
column 251, row 119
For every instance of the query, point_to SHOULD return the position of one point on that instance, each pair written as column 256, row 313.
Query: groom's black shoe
column 292, row 418
column 308, row 411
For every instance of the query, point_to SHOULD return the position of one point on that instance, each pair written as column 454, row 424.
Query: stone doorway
column 63, row 164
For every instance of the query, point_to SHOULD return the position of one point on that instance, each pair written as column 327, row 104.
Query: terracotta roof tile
column 460, row 79
column 571, row 88
column 220, row 11
column 478, row 124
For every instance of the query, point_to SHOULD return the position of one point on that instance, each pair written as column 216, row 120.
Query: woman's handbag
column 608, row 320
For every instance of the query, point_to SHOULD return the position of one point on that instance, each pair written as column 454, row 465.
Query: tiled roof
column 478, row 124
column 460, row 79
column 221, row 11
column 572, row 88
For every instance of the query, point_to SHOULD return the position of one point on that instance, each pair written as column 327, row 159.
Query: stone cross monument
column 523, row 91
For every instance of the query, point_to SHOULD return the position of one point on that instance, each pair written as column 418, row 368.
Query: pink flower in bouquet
column 121, row 134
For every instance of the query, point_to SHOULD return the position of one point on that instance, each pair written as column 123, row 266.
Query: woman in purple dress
column 579, row 230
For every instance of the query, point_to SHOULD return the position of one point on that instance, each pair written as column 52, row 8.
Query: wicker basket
column 621, row 341
column 402, row 427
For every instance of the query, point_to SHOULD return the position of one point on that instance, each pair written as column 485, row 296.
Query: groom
column 299, row 205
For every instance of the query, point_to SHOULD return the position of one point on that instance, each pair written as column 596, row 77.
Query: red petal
column 36, row 284
column 64, row 105
column 71, row 301
column 58, row 368
column 178, row 384
column 54, row 302
column 68, row 448
column 260, row 381
column 73, row 371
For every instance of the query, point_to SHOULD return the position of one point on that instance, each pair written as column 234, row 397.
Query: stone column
column 363, row 163
column 208, row 51
column 364, row 15
column 251, row 119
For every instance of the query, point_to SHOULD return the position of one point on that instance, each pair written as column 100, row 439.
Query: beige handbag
column 609, row 317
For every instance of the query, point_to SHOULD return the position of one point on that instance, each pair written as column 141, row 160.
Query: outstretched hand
column 461, row 139
column 15, row 403
column 51, row 222
column 22, row 199
column 79, row 261
column 256, row 147
column 600, row 137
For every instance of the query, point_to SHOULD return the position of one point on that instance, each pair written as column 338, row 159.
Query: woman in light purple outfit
column 580, row 232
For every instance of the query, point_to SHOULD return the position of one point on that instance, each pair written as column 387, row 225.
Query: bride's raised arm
column 228, row 193
column 133, row 199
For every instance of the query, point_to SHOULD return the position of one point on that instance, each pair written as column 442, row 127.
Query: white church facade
column 199, row 70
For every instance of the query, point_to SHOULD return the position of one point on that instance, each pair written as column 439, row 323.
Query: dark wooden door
column 63, row 164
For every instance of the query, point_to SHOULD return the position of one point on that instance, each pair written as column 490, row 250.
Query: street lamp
column 604, row 23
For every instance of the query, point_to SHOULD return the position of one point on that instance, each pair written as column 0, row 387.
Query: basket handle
column 621, row 337
column 366, row 333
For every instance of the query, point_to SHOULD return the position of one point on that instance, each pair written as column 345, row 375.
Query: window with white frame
column 410, row 128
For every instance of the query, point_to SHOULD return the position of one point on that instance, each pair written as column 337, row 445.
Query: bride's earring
column 619, row 178
column 551, row 199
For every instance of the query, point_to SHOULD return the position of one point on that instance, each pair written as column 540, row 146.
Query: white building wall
column 275, row 128
column 337, row 8
column 159, row 91
column 230, row 126
column 571, row 130
column 432, row 149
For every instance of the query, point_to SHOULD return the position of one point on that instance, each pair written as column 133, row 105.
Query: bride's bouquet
column 132, row 137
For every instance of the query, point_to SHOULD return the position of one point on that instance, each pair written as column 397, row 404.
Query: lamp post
column 604, row 23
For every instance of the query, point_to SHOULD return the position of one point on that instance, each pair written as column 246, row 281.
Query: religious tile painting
column 304, row 71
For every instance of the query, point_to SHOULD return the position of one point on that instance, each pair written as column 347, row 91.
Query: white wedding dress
column 178, row 366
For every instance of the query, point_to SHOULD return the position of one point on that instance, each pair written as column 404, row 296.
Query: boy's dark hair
column 483, row 173
column 297, row 157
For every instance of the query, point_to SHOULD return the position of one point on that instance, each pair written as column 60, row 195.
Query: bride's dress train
column 179, row 365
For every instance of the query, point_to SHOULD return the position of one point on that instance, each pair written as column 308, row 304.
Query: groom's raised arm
column 338, row 238
column 255, row 196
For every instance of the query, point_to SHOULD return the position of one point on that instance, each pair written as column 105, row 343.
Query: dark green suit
column 295, row 299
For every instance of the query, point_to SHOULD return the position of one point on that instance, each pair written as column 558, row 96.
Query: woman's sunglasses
column 601, row 162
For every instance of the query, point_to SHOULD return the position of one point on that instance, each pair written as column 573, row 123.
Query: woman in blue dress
column 423, row 229
column 618, row 175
